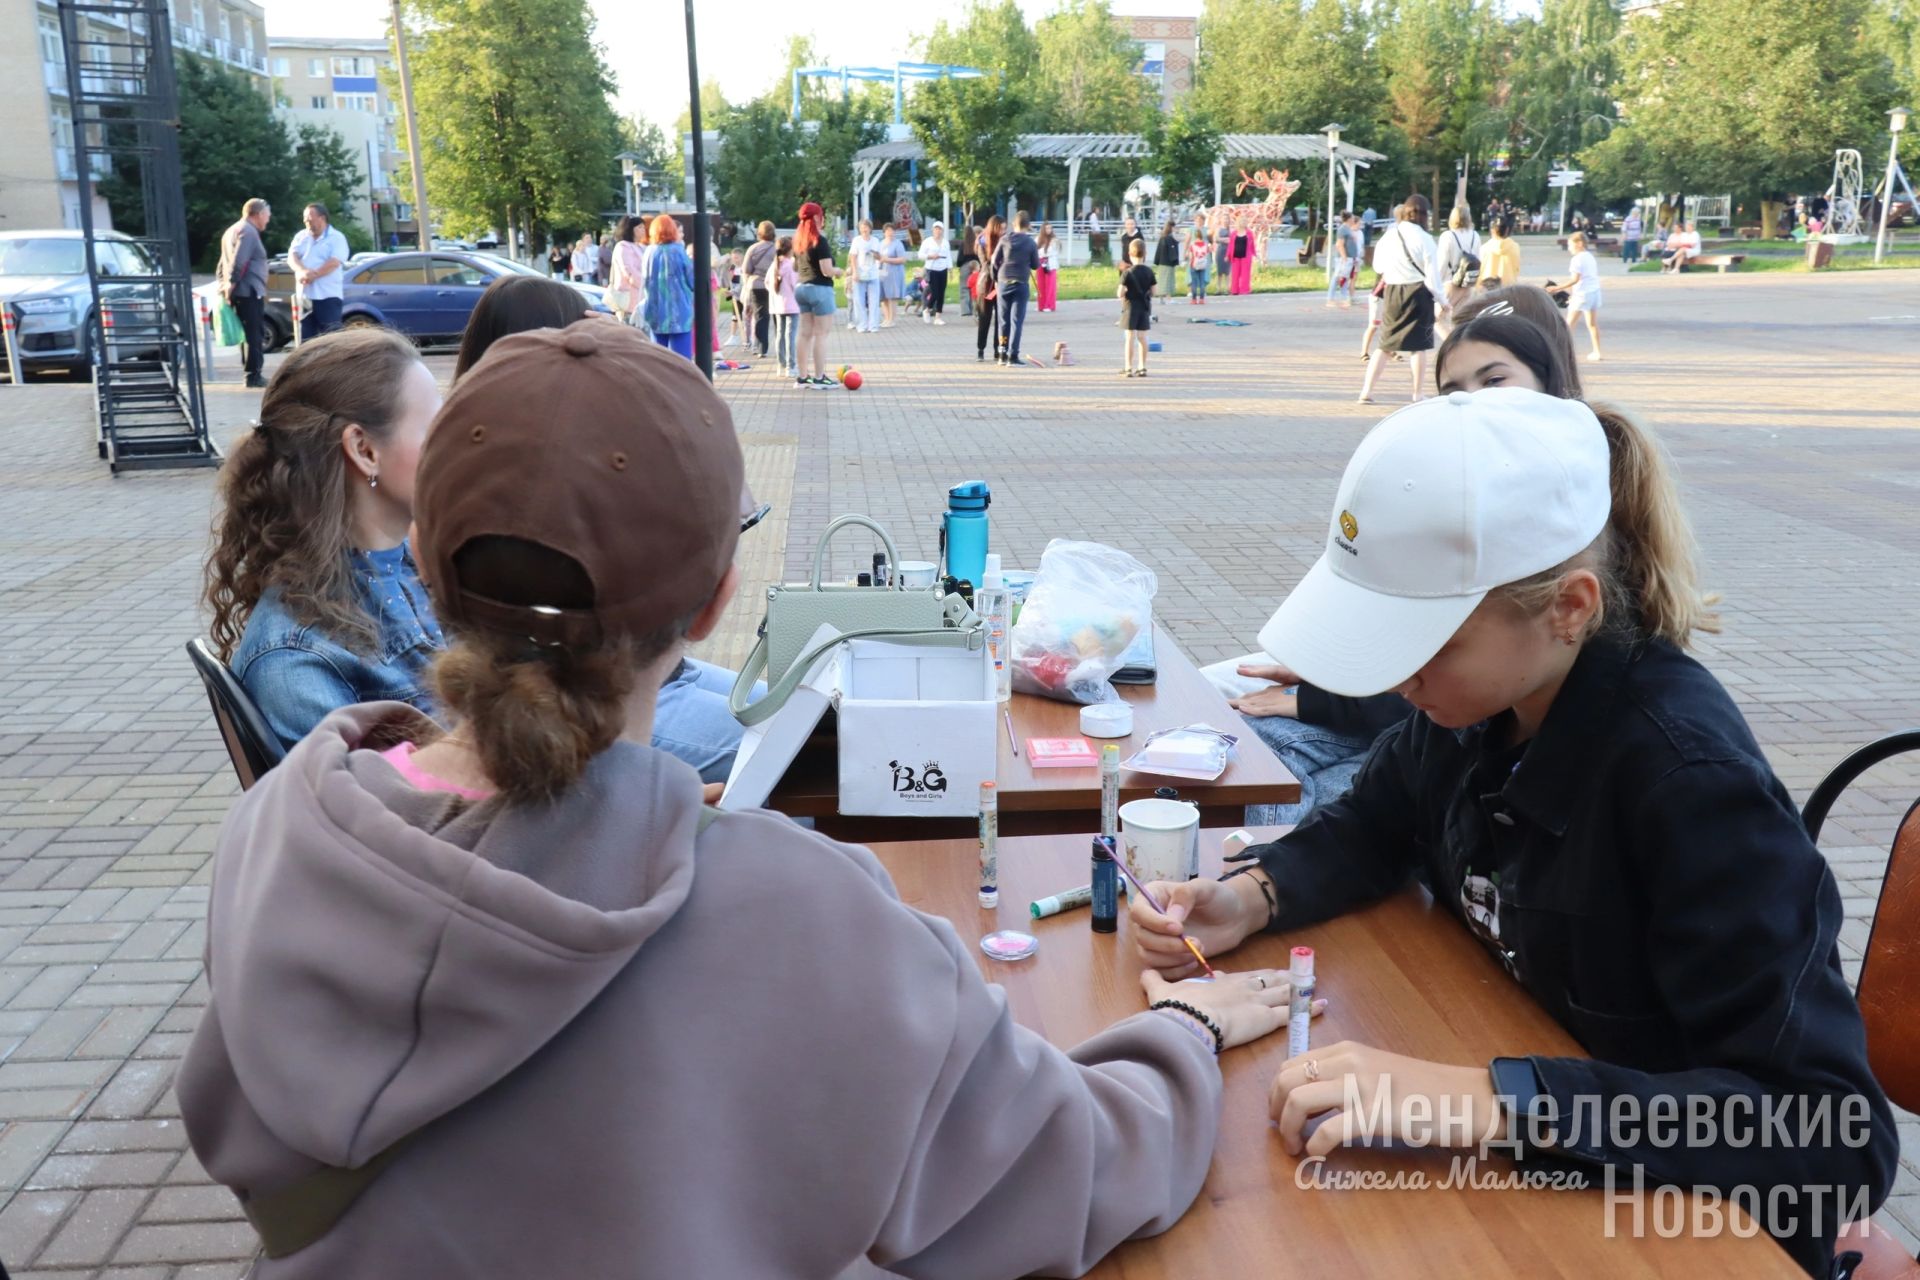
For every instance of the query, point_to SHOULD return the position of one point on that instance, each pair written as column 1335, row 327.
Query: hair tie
column 1497, row 309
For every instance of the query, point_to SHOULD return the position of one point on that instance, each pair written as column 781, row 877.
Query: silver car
column 43, row 278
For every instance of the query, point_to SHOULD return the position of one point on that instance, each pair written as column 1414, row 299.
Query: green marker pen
column 1059, row 902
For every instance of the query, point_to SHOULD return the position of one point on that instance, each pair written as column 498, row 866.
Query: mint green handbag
column 795, row 611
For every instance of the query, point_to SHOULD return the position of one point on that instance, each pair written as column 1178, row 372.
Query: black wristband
column 1265, row 885
column 1213, row 1028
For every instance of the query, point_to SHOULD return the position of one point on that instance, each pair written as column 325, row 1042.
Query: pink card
column 1061, row 753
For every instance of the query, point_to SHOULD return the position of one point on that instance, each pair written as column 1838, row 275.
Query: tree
column 839, row 131
column 1704, row 104
column 659, row 157
column 233, row 148
column 758, row 170
column 1086, row 80
column 1442, row 59
column 1182, row 149
column 969, row 136
column 512, row 95
column 994, row 37
column 1293, row 67
column 1559, row 96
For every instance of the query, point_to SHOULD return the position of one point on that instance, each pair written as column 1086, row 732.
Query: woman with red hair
column 813, row 267
column 668, row 308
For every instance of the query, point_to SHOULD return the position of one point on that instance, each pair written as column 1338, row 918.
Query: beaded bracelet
column 1264, row 884
column 1213, row 1028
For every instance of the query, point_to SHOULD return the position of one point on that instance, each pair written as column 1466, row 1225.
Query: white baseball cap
column 1441, row 503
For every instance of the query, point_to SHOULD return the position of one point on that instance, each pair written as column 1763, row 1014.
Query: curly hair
column 283, row 516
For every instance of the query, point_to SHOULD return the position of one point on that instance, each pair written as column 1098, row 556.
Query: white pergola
column 1075, row 149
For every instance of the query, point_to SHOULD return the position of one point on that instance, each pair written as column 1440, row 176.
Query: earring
column 373, row 482
column 1568, row 639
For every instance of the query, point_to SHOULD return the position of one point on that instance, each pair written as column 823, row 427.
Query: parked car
column 43, row 278
column 426, row 296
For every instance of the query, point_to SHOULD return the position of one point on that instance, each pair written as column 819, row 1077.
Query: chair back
column 1889, row 988
column 251, row 744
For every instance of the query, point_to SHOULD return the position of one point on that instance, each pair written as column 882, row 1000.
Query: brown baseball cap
column 592, row 442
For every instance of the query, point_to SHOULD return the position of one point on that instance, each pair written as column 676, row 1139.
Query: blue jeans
column 867, row 313
column 1630, row 252
column 1012, row 301
column 784, row 328
column 1324, row 761
column 681, row 344
column 692, row 721
column 322, row 315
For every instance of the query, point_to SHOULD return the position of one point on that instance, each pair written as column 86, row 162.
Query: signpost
column 1563, row 179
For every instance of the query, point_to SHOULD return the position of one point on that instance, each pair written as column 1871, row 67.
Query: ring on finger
column 1261, row 978
column 1312, row 1066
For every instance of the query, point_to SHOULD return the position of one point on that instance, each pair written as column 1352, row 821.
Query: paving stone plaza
column 1790, row 402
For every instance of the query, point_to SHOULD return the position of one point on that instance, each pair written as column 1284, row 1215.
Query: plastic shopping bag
column 1087, row 604
column 226, row 325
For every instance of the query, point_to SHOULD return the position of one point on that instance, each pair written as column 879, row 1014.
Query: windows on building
column 319, row 102
column 353, row 66
column 1153, row 60
column 280, row 67
column 354, row 102
column 316, row 66
column 52, row 49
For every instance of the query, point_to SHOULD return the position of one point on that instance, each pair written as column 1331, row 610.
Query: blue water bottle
column 966, row 530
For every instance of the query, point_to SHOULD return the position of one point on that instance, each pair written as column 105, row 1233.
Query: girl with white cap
column 1585, row 797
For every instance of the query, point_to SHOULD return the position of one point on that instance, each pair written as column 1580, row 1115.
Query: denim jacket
column 1639, row 869
column 298, row 675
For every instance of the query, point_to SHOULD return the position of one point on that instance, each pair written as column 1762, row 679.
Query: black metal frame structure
column 148, row 395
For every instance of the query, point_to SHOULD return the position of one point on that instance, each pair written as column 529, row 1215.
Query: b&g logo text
column 926, row 785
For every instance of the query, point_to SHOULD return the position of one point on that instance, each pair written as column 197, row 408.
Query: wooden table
column 1046, row 801
column 1403, row 975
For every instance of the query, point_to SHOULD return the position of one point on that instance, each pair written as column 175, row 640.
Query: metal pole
column 425, row 232
column 13, row 349
column 1333, row 151
column 703, row 237
column 1886, row 200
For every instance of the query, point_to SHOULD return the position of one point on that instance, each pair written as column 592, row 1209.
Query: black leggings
column 936, row 292
column 986, row 310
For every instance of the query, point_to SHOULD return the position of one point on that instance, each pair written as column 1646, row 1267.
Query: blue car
column 429, row 296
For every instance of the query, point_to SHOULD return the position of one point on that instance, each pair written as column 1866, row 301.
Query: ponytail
column 1652, row 552
column 1644, row 558
column 536, row 716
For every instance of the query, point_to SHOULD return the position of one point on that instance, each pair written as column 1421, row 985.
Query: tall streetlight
column 703, row 234
column 631, row 171
column 413, row 133
column 1896, row 121
column 1333, row 152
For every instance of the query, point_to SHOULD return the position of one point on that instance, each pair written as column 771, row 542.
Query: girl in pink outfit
column 1240, row 258
column 1049, row 273
column 781, row 282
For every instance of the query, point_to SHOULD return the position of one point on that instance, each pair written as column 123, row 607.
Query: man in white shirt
column 317, row 256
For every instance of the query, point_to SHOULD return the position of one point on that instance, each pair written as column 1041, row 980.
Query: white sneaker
column 938, row 320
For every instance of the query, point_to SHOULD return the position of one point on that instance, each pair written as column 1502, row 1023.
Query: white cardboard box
column 918, row 731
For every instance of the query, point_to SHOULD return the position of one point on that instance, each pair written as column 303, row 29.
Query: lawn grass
column 1100, row 280
column 1847, row 258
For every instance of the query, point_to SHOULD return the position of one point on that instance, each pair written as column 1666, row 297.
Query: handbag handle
column 820, row 551
column 966, row 628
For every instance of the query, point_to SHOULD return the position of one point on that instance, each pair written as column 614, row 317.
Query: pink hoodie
column 631, row 1047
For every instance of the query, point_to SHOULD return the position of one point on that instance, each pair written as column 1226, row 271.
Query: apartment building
column 1169, row 48
column 339, row 83
column 39, row 181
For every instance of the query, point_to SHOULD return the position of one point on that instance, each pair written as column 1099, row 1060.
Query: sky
column 742, row 42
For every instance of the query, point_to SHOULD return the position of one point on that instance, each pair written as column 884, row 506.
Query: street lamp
column 1896, row 121
column 630, row 170
column 1333, row 151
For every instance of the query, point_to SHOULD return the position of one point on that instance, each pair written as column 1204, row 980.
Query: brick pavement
column 1788, row 401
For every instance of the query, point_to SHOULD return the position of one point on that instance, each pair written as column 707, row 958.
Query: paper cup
column 917, row 573
column 1160, row 839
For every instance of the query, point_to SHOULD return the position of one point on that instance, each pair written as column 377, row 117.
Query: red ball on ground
column 851, row 380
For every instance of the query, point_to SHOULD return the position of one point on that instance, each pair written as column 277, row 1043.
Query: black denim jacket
column 1657, row 894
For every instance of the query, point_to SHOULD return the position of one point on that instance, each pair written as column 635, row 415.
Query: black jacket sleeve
column 1356, row 717
column 1356, row 850
column 1715, row 842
